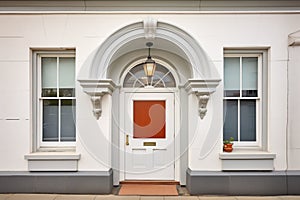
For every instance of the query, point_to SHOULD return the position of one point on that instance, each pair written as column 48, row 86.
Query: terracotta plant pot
column 228, row 147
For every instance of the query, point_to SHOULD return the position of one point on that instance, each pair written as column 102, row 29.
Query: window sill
column 52, row 161
column 247, row 160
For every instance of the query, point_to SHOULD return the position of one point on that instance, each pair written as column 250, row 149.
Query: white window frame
column 38, row 143
column 260, row 130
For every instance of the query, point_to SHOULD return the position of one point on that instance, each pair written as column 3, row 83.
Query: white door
column 149, row 139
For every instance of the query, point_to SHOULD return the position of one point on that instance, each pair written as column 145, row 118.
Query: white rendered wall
column 294, row 108
column 14, row 101
column 254, row 32
column 86, row 32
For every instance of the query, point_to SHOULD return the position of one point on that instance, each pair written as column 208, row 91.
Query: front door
column 149, row 138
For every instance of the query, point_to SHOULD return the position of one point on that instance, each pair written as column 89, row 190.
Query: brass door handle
column 127, row 140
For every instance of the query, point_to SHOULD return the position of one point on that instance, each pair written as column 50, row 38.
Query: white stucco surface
column 19, row 34
column 293, row 116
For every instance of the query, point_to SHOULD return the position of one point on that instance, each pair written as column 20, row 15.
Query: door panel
column 149, row 124
column 149, row 119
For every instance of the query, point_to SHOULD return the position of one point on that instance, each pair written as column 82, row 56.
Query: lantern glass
column 149, row 68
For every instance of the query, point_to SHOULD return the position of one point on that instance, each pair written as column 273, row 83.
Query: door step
column 150, row 182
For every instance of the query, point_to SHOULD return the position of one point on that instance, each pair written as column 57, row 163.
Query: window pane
column 66, row 77
column 232, row 77
column 129, row 80
column 248, row 120
column 140, row 82
column 162, row 72
column 137, row 77
column 230, row 118
column 169, row 80
column 50, row 120
column 138, row 71
column 49, row 77
column 70, row 92
column 67, row 129
column 157, row 82
column 163, row 77
column 250, row 77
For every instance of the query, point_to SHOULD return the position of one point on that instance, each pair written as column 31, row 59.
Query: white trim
column 175, row 91
column 52, row 161
column 149, row 90
column 247, row 155
column 37, row 93
column 38, row 11
column 177, row 135
column 95, row 87
column 271, row 12
column 123, row 93
column 122, row 139
column 155, row 6
column 247, row 160
column 241, row 53
column 53, row 156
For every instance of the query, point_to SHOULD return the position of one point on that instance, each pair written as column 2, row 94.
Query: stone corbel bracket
column 202, row 89
column 294, row 39
column 96, row 89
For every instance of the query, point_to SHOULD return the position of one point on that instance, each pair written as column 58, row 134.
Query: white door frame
column 123, row 91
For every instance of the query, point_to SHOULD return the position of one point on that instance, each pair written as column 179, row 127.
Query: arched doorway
column 105, row 72
column 148, row 136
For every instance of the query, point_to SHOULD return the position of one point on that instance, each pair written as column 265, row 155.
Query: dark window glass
column 230, row 118
column 50, row 120
column 248, row 120
column 68, row 130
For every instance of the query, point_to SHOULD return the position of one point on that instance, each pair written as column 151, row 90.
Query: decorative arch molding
column 150, row 29
column 203, row 71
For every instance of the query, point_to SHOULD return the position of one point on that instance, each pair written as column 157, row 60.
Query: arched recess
column 201, row 81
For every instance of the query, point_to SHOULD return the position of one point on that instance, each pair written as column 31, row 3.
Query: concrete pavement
column 112, row 197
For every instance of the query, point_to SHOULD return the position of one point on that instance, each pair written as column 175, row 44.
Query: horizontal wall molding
column 255, row 155
column 52, row 156
column 243, row 183
column 83, row 182
column 147, row 5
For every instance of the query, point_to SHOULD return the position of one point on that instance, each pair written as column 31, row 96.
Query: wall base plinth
column 243, row 183
column 83, row 182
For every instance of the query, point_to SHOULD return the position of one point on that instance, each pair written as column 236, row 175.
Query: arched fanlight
column 149, row 65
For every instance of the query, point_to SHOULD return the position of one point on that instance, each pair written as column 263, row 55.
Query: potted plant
column 227, row 145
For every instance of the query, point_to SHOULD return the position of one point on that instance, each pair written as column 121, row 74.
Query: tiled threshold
column 148, row 190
